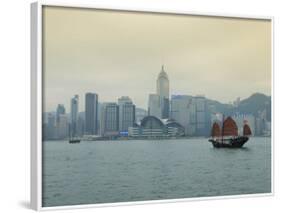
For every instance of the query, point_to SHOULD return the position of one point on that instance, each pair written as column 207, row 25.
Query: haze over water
column 120, row 171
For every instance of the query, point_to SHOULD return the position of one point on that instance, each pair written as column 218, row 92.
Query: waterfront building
column 91, row 114
column 174, row 128
column 260, row 126
column 180, row 110
column 267, row 131
column 81, row 124
column 163, row 91
column 51, row 126
column 74, row 114
column 126, row 113
column 134, row 131
column 153, row 127
column 62, row 126
column 154, row 107
column 60, row 111
column 261, row 121
column 165, row 107
column 99, row 117
column 192, row 127
column 202, row 120
column 268, row 111
column 110, row 119
column 184, row 110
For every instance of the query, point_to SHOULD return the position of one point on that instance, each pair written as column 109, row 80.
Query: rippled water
column 119, row 171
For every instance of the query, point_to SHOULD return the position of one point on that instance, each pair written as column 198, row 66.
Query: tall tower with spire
column 163, row 84
column 163, row 91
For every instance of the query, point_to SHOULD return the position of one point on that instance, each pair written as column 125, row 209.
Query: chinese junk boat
column 227, row 136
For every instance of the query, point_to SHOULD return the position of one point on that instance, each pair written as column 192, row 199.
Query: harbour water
column 120, row 171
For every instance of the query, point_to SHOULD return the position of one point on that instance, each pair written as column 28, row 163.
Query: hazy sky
column 115, row 53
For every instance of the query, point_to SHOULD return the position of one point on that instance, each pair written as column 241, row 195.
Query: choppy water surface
column 119, row 171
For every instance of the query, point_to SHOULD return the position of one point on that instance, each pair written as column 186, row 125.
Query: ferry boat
column 227, row 136
column 74, row 140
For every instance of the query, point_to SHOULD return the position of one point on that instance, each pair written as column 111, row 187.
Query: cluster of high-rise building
column 105, row 119
column 190, row 112
column 166, row 116
column 263, row 121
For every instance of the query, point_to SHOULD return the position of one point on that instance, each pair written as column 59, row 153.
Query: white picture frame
column 36, row 101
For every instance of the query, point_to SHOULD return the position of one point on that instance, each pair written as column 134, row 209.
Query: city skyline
column 193, row 114
column 200, row 55
column 190, row 115
column 82, row 98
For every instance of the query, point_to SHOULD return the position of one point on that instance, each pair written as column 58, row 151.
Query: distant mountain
column 251, row 105
column 255, row 103
column 226, row 109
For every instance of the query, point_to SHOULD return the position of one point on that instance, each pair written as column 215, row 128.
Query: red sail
column 247, row 130
column 216, row 132
column 229, row 127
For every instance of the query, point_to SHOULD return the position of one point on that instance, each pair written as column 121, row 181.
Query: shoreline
column 145, row 139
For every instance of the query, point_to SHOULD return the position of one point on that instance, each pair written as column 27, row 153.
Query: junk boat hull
column 236, row 142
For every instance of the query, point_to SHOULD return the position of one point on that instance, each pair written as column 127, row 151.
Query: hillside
column 255, row 103
column 251, row 105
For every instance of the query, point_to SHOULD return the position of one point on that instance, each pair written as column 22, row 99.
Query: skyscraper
column 126, row 113
column 91, row 113
column 74, row 115
column 60, row 111
column 80, row 124
column 191, row 130
column 154, row 106
column 180, row 110
column 202, row 123
column 110, row 119
column 51, row 126
column 62, row 126
column 163, row 90
column 163, row 84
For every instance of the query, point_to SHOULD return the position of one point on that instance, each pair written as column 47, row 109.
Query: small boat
column 227, row 136
column 72, row 137
column 74, row 140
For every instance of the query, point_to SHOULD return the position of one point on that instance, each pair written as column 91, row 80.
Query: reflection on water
column 119, row 171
